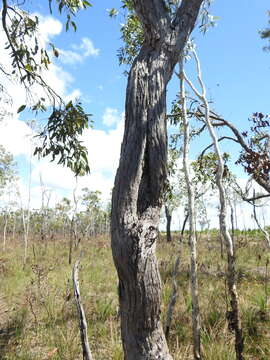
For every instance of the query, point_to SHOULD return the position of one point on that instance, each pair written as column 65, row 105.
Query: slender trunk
column 265, row 233
column 87, row 355
column 5, row 230
column 168, row 224
column 73, row 236
column 25, row 234
column 235, row 214
column 221, row 247
column 233, row 315
column 196, row 327
column 232, row 226
column 183, row 227
column 244, row 223
column 14, row 227
column 141, row 176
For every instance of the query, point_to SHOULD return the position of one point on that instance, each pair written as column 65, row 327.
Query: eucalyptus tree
column 92, row 201
column 164, row 28
column 263, row 230
column 7, row 178
column 233, row 315
column 265, row 34
column 62, row 218
column 142, row 172
column 28, row 62
column 7, row 168
column 173, row 192
column 196, row 326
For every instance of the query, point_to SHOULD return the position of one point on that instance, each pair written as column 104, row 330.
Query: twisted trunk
column 141, row 176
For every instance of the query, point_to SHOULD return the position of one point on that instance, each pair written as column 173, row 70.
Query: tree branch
column 185, row 13
column 82, row 319
column 220, row 139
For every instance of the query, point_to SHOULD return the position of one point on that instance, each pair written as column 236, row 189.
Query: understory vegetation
column 38, row 318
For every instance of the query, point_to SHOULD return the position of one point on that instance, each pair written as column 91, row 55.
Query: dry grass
column 40, row 322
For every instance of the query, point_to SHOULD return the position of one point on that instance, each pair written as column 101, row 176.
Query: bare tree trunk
column 233, row 315
column 232, row 226
column 140, row 179
column 6, row 218
column 181, row 238
column 168, row 224
column 265, row 232
column 73, row 225
column 87, row 355
column 196, row 327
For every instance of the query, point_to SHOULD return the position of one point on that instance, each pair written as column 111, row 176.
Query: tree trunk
column 265, row 232
column 233, row 315
column 196, row 326
column 168, row 223
column 141, row 176
column 181, row 238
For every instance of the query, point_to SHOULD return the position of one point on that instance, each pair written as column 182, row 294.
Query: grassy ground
column 38, row 316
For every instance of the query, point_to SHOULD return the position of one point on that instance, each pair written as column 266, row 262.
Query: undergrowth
column 38, row 318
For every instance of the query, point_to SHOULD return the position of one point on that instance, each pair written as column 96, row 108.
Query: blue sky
column 235, row 68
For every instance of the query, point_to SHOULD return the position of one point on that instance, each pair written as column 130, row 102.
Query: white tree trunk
column 196, row 327
column 233, row 315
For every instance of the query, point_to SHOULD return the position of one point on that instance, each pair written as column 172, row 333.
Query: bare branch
column 250, row 200
column 87, row 355
column 266, row 235
column 233, row 315
column 219, row 139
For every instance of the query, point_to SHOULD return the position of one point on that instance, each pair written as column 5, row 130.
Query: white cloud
column 103, row 149
column 48, row 27
column 111, row 117
column 70, row 57
column 75, row 94
column 16, row 137
column 82, row 51
column 87, row 47
column 59, row 79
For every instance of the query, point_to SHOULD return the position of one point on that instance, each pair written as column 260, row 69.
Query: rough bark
column 140, row 179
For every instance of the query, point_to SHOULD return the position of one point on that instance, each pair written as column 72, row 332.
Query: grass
column 40, row 319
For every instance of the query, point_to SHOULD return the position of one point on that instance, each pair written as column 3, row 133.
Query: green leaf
column 28, row 67
column 74, row 26
column 56, row 52
column 113, row 12
column 86, row 3
column 21, row 108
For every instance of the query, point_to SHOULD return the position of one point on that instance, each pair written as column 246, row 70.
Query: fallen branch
column 82, row 319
